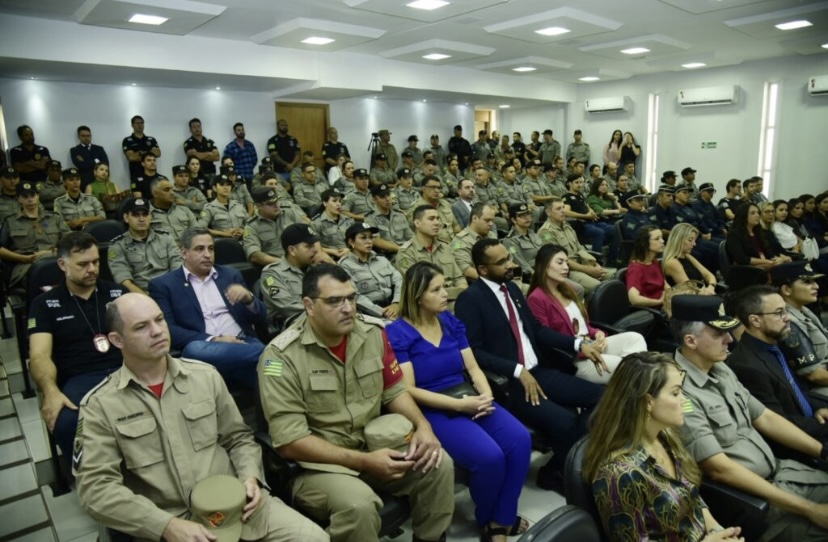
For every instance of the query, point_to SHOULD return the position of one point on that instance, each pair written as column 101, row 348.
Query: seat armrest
column 606, row 328
column 497, row 380
column 715, row 490
column 731, row 506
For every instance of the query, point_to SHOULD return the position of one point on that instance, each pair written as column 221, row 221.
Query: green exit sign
column 708, row 144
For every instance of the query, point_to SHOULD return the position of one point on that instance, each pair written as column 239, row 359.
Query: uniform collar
column 174, row 369
column 189, row 274
column 695, row 374
column 355, row 339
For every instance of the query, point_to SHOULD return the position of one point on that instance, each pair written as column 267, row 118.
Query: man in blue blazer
column 209, row 313
column 87, row 156
column 544, row 392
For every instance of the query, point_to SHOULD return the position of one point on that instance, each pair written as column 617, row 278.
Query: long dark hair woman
column 748, row 244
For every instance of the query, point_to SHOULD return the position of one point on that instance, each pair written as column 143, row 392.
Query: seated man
column 392, row 225
column 522, row 241
column 184, row 193
column 69, row 353
column 264, row 229
column 762, row 367
column 481, row 224
column 431, row 197
column 798, row 287
column 239, row 192
column 224, row 217
column 282, row 281
column 75, row 208
column 331, row 225
column 142, row 252
column 724, row 426
column 165, row 213
column 30, row 234
column 317, row 420
column 507, row 339
column 636, row 216
column 52, row 187
column 156, row 428
column 210, row 313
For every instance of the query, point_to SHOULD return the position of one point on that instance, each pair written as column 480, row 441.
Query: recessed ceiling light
column 315, row 40
column 427, row 5
column 436, row 56
column 34, row 78
column 793, row 25
column 824, row 45
column 552, row 31
column 691, row 65
column 467, row 103
column 148, row 19
column 524, row 69
column 635, row 50
column 504, row 106
column 133, row 84
column 218, row 88
column 589, row 78
column 424, row 100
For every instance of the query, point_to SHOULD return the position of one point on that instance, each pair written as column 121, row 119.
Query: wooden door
column 308, row 123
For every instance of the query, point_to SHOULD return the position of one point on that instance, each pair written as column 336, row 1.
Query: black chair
column 609, row 310
column 621, row 275
column 577, row 490
column 104, row 273
column 266, row 331
column 724, row 260
column 105, row 231
column 566, row 524
column 624, row 245
column 731, row 506
column 230, row 252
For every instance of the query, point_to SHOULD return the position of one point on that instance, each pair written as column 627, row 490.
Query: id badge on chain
column 101, row 343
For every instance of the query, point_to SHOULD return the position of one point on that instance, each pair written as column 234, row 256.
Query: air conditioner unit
column 696, row 97
column 603, row 105
column 818, row 85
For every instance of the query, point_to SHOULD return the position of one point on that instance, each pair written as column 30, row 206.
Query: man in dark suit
column 209, row 313
column 545, row 393
column 465, row 199
column 763, row 369
column 86, row 156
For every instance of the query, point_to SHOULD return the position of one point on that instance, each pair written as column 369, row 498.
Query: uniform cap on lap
column 217, row 503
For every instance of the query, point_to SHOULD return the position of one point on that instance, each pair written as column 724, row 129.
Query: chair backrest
column 577, row 490
column 621, row 275
column 104, row 272
column 229, row 251
column 105, row 231
column 624, row 245
column 724, row 259
column 43, row 275
column 609, row 302
column 566, row 524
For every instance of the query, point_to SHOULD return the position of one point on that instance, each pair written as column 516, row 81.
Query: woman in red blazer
column 556, row 306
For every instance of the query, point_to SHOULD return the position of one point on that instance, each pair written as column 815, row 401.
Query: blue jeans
column 235, row 362
column 67, row 421
column 598, row 233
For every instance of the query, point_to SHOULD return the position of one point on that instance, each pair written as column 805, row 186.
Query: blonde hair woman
column 679, row 265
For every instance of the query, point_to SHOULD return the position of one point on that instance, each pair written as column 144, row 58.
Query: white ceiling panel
column 576, row 22
column 697, row 7
column 291, row 34
column 400, row 8
column 762, row 25
column 656, row 44
column 520, row 66
column 455, row 51
column 183, row 16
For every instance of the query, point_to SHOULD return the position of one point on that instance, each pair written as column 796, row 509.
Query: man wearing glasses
column 725, row 427
column 431, row 196
column 764, row 368
column 322, row 382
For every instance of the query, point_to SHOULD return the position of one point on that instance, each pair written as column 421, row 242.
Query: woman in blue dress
column 432, row 350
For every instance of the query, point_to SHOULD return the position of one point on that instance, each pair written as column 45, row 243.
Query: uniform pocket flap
column 199, row 410
column 720, row 418
column 324, row 383
column 137, row 428
column 369, row 366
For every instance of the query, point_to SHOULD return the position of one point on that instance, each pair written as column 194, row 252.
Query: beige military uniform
column 377, row 282
column 461, row 246
column 380, row 176
column 219, row 217
column 447, row 218
column 306, row 391
column 86, row 205
column 358, row 203
column 331, row 234
column 176, row 220
column 309, row 196
column 9, row 206
column 413, row 251
column 241, row 194
column 49, row 192
column 191, row 197
column 523, row 248
column 282, row 290
column 142, row 261
column 138, row 457
column 26, row 235
column 263, row 235
column 392, row 227
column 404, row 199
column 564, row 236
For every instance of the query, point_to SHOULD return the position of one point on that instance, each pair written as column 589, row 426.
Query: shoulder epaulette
column 162, row 232
column 371, row 320
column 118, row 237
column 405, row 245
column 91, row 392
column 284, row 339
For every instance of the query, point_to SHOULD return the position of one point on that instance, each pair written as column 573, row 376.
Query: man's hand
column 425, row 449
column 476, row 406
column 595, row 271
column 387, row 464
column 818, row 514
column 75, row 224
column 237, row 233
column 533, row 390
column 254, row 496
column 731, row 534
column 593, row 352
column 821, row 415
column 237, row 293
column 53, row 403
column 391, row 311
column 181, row 530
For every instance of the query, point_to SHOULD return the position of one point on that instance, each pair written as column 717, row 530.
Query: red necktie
column 513, row 322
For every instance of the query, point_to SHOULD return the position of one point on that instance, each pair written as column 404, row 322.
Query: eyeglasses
column 435, row 187
column 500, row 263
column 337, row 301
column 781, row 313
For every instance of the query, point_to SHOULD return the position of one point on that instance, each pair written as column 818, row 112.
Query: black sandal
column 489, row 532
column 515, row 530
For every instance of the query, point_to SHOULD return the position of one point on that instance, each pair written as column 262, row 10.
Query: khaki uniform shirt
column 282, row 290
column 403, row 199
column 69, row 209
column 413, row 251
column 307, row 195
column 263, row 235
column 447, row 218
column 26, row 235
column 176, row 220
column 332, row 234
column 489, row 194
column 241, row 194
column 138, row 457
column 191, row 197
column 382, row 176
column 392, row 227
column 523, row 248
column 377, row 282
column 535, row 187
column 218, row 217
column 514, row 194
column 141, row 261
column 461, row 246
column 49, row 192
column 358, row 203
column 306, row 390
column 564, row 236
column 9, row 206
column 450, row 185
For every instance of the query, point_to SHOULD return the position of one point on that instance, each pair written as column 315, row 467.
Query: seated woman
column 603, row 202
column 645, row 483
column 817, row 219
column 197, row 177
column 679, row 265
column 432, row 350
column 377, row 282
column 645, row 281
column 556, row 306
column 105, row 190
column 748, row 244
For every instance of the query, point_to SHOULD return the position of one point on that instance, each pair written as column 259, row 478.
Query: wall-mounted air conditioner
column 603, row 105
column 696, row 97
column 818, row 85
